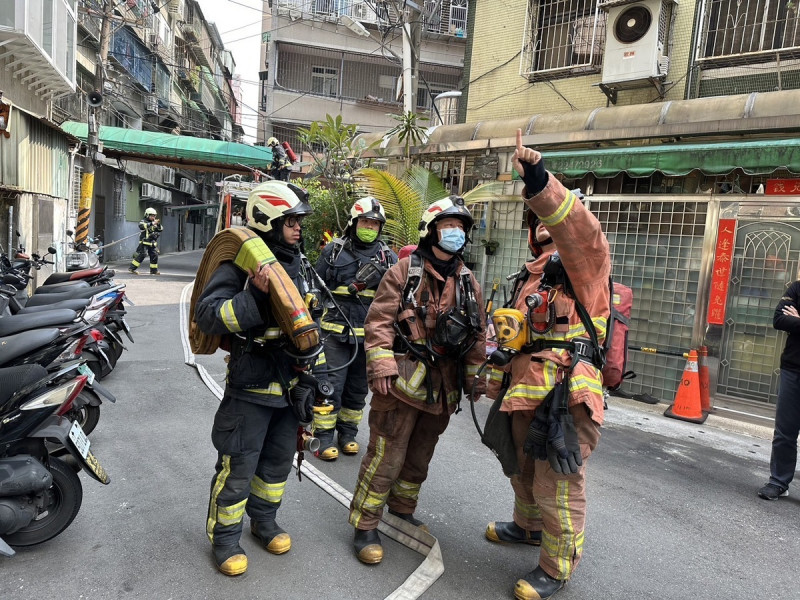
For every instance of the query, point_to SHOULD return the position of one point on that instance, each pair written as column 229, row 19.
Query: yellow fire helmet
column 273, row 141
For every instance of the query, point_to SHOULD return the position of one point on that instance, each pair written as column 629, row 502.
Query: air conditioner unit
column 635, row 36
column 148, row 190
column 169, row 176
column 151, row 104
column 175, row 7
column 187, row 186
column 362, row 12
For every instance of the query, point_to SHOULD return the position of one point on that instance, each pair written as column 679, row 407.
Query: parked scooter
column 40, row 495
column 83, row 255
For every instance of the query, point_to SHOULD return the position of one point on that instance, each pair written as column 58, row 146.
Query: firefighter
column 555, row 393
column 150, row 228
column 352, row 267
column 281, row 165
column 425, row 341
column 255, row 427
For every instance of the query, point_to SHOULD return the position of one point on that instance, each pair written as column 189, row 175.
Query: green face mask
column 366, row 235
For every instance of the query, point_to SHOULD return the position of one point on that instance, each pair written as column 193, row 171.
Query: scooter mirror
column 51, row 250
column 70, row 232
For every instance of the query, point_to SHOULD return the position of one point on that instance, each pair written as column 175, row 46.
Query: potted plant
column 490, row 246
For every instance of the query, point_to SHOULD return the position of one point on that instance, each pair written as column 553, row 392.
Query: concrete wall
column 498, row 90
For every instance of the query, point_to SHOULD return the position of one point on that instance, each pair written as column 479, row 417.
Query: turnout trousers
column 255, row 446
column 141, row 250
column 550, row 502
column 349, row 392
column 401, row 444
column 787, row 428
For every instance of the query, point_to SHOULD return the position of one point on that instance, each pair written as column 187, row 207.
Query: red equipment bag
column 289, row 152
column 616, row 344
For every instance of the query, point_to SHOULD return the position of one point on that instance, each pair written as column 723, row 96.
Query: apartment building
column 343, row 57
column 167, row 72
column 680, row 122
column 37, row 65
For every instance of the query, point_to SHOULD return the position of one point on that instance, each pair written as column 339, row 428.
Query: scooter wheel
column 84, row 413
column 61, row 505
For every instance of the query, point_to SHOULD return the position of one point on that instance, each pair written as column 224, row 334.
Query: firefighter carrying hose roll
column 150, row 229
column 555, row 393
column 266, row 393
column 425, row 340
column 351, row 267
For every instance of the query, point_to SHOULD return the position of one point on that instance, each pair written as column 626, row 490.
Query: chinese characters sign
column 721, row 273
column 782, row 187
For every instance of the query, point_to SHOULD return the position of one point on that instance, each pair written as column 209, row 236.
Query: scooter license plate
column 79, row 439
column 85, row 370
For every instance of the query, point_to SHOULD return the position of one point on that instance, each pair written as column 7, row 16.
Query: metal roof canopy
column 183, row 152
column 704, row 120
column 759, row 157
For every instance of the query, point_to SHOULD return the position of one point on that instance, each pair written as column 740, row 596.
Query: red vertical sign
column 721, row 272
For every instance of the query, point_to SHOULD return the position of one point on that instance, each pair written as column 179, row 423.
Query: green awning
column 753, row 157
column 176, row 150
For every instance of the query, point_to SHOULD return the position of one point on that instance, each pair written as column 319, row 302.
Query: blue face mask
column 452, row 240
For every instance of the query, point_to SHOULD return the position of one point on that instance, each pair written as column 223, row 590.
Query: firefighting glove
column 563, row 449
column 534, row 176
column 535, row 444
column 302, row 398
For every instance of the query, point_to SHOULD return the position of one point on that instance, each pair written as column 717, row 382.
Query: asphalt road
column 673, row 511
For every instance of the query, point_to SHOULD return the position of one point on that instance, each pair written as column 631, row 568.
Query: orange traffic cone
column 702, row 362
column 687, row 399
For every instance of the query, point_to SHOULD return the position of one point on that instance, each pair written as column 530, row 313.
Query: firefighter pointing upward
column 150, row 228
column 557, row 368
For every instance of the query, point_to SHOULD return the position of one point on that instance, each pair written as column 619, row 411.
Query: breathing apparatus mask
column 368, row 276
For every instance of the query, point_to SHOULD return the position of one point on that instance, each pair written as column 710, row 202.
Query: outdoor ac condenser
column 635, row 37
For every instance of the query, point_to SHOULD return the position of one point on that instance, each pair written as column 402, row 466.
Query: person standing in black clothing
column 352, row 267
column 281, row 165
column 783, row 461
column 255, row 427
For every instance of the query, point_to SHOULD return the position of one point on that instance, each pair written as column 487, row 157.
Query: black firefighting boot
column 327, row 449
column 509, row 532
column 274, row 539
column 537, row 585
column 347, row 430
column 367, row 544
column 410, row 519
column 230, row 560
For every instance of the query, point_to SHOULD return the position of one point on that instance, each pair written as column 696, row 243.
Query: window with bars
column 562, row 38
column 738, row 27
column 325, row 81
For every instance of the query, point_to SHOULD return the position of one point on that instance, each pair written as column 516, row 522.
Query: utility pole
column 95, row 101
column 412, row 37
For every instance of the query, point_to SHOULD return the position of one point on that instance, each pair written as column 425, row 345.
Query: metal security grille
column 656, row 249
column 75, row 192
column 765, row 261
column 562, row 37
column 739, row 27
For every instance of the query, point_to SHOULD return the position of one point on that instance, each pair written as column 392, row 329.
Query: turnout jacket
column 341, row 272
column 259, row 370
column 409, row 374
column 790, row 357
column 584, row 252
column 149, row 232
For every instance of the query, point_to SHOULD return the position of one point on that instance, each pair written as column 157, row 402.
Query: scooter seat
column 57, row 288
column 41, row 299
column 78, row 305
column 20, row 344
column 13, row 379
column 73, row 275
column 48, row 318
